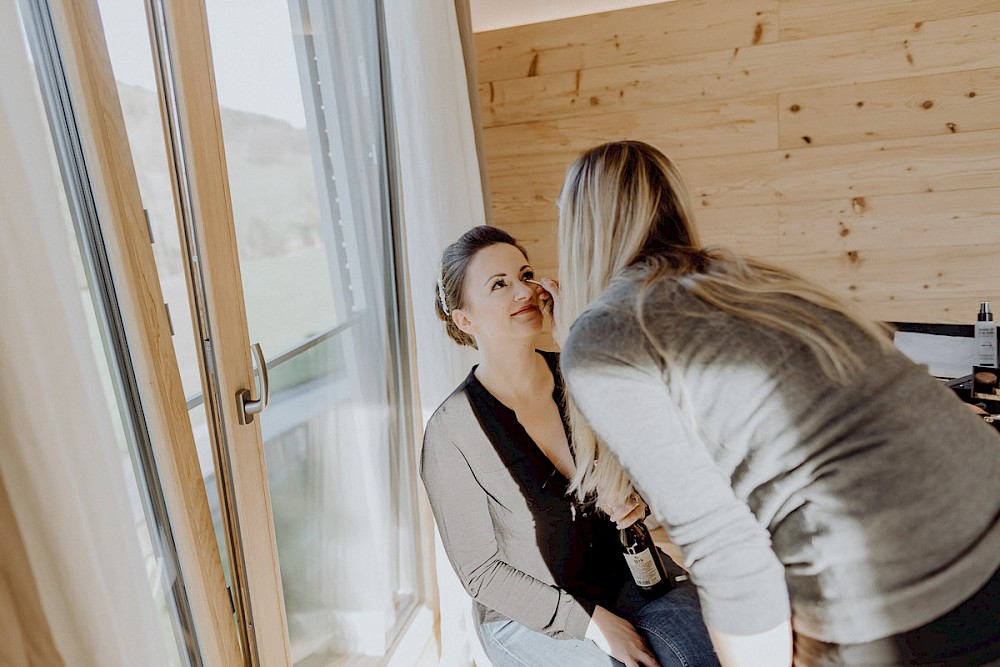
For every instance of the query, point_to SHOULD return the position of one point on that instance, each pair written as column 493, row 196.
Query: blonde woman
column 550, row 584
column 815, row 480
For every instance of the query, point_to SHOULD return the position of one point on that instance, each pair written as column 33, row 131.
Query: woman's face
column 498, row 303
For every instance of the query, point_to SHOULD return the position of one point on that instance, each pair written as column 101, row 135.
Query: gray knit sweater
column 871, row 508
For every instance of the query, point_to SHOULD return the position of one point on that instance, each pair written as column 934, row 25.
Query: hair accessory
column 444, row 304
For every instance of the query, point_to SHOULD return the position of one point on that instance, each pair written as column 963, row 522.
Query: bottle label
column 986, row 344
column 643, row 568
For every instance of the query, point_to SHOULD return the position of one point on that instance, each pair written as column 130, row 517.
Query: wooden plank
column 746, row 230
column 951, row 162
column 897, row 52
column 116, row 192
column 893, row 283
column 539, row 238
column 912, row 107
column 683, row 130
column 968, row 160
column 800, row 19
column 626, row 36
column 922, row 220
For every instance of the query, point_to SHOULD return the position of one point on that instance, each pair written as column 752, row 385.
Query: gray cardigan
column 875, row 507
column 521, row 548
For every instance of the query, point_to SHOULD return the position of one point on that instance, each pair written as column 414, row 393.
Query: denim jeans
column 672, row 626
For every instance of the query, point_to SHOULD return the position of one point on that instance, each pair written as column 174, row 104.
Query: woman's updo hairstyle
column 448, row 294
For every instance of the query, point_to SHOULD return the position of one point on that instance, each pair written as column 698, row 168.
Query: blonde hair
column 449, row 287
column 624, row 204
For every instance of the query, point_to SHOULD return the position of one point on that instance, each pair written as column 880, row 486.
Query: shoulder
column 441, row 450
column 609, row 328
column 451, row 417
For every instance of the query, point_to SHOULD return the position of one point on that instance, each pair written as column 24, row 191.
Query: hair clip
column 444, row 304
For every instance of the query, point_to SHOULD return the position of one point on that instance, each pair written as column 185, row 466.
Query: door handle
column 248, row 403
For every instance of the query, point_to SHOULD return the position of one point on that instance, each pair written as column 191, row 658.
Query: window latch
column 249, row 404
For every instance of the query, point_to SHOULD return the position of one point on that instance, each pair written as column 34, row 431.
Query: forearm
column 771, row 648
column 461, row 511
column 532, row 603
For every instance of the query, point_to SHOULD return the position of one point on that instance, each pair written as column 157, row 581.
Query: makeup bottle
column 986, row 337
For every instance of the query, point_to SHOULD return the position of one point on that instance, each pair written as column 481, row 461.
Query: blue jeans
column 672, row 626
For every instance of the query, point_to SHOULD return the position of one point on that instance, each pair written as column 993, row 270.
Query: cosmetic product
column 986, row 337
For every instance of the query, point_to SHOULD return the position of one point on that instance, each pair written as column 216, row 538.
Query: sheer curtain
column 442, row 197
column 58, row 458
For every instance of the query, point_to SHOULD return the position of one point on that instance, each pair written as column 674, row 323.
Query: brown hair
column 450, row 283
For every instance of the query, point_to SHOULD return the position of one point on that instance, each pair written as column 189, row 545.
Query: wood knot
column 795, row 108
column 860, row 104
column 853, row 256
column 951, row 127
column 859, row 205
column 927, row 104
column 758, row 32
column 533, row 67
column 808, row 140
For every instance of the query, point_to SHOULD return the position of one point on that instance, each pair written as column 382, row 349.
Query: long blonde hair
column 624, row 204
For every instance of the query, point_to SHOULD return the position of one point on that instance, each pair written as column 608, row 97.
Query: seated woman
column 549, row 580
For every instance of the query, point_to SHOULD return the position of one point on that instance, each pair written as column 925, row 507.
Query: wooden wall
column 856, row 141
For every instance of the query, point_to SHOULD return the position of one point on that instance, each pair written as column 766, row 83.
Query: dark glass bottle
column 644, row 561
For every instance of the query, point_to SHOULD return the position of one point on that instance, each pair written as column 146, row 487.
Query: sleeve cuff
column 748, row 615
column 572, row 617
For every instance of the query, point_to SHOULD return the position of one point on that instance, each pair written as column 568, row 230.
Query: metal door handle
column 249, row 404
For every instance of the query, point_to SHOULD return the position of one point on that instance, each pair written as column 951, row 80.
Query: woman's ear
column 463, row 322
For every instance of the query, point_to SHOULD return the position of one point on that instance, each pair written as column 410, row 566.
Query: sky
column 254, row 59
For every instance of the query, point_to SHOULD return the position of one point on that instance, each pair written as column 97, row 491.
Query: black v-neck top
column 534, row 521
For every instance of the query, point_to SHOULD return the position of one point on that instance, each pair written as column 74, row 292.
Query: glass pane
column 114, row 376
column 299, row 87
column 131, row 60
column 132, row 63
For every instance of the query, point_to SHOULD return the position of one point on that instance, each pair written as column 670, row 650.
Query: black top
column 579, row 543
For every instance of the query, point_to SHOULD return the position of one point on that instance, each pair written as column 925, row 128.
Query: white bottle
column 986, row 337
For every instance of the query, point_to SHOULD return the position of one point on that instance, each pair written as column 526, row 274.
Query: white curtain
column 442, row 198
column 59, row 460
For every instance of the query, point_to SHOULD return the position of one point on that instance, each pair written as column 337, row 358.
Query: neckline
column 552, row 359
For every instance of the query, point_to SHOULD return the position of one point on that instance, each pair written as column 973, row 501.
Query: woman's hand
column 619, row 639
column 634, row 509
column 548, row 297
